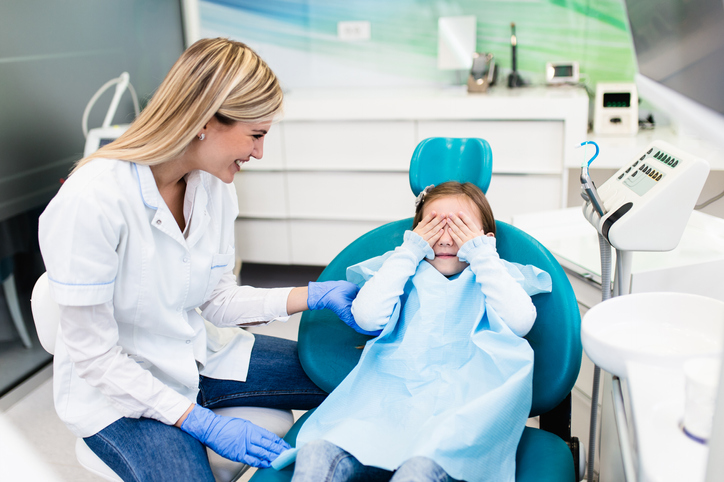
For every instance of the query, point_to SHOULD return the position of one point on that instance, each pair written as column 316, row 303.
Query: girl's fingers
column 464, row 228
column 431, row 227
column 436, row 237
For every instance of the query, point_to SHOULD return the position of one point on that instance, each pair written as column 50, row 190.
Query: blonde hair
column 214, row 77
column 454, row 188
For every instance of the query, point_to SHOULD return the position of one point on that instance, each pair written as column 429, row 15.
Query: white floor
column 34, row 443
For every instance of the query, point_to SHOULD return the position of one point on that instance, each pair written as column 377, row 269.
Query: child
column 445, row 390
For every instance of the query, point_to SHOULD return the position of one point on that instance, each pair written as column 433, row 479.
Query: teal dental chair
column 328, row 348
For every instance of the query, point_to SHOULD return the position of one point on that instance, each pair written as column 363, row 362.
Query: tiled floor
column 34, row 443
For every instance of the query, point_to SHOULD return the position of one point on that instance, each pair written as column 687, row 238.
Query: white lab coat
column 129, row 283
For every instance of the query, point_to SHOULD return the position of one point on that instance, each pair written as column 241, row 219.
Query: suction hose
column 605, row 249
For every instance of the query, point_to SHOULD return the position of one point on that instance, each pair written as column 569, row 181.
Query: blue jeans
column 322, row 461
column 148, row 450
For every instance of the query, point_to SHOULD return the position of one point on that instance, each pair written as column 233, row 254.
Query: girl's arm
column 377, row 299
column 502, row 293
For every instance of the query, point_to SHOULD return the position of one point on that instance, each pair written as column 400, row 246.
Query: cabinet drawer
column 263, row 241
column 354, row 145
column 510, row 195
column 261, row 194
column 318, row 242
column 518, row 146
column 359, row 196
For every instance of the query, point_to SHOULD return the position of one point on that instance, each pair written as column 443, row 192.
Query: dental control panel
column 647, row 203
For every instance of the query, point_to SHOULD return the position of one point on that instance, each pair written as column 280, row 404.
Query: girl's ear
column 490, row 234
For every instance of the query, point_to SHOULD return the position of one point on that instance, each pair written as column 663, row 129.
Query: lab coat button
column 188, row 342
column 186, row 260
column 158, row 221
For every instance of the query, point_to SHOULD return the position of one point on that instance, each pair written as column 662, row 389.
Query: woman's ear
column 490, row 234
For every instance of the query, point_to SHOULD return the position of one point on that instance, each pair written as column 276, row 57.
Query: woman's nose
column 258, row 151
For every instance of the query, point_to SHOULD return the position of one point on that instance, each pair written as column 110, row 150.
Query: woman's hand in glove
column 234, row 438
column 336, row 296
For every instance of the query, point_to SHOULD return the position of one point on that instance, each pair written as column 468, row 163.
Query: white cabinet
column 337, row 165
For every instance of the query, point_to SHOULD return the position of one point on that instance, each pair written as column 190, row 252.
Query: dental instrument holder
column 514, row 79
column 483, row 73
column 645, row 206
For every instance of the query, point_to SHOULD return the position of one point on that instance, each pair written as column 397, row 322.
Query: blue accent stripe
column 220, row 266
column 82, row 284
column 138, row 176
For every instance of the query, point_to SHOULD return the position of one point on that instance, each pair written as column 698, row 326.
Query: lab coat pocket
column 220, row 265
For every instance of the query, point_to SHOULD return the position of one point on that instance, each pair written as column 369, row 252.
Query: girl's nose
column 445, row 239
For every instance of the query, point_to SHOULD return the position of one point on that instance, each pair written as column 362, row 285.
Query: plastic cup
column 702, row 380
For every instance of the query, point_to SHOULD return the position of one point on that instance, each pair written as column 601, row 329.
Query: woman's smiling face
column 226, row 147
column 446, row 260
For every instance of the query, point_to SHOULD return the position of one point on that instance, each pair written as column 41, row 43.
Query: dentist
column 139, row 249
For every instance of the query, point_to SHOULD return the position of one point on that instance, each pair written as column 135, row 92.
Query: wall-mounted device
column 647, row 203
column 562, row 73
column 616, row 109
column 107, row 133
column 483, row 73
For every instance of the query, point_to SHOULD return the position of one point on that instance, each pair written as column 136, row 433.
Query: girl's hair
column 454, row 188
column 214, row 77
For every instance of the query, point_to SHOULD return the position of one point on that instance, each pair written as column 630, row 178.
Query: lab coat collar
column 146, row 182
column 195, row 205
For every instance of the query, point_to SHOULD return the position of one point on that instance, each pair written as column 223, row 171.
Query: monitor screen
column 53, row 57
column 563, row 71
column 679, row 46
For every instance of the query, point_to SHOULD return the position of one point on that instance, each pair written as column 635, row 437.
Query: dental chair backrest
column 328, row 349
column 46, row 313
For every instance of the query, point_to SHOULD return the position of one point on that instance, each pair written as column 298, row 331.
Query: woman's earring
column 202, row 136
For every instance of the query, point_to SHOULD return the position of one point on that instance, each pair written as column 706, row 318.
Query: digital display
column 617, row 99
column 563, row 71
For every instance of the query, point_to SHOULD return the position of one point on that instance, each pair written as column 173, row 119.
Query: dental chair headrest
column 440, row 159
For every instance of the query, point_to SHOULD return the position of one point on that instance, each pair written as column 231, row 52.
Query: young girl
column 444, row 392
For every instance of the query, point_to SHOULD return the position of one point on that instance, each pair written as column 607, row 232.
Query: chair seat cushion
column 541, row 457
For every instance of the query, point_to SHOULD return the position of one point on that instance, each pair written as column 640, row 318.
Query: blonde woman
column 139, row 249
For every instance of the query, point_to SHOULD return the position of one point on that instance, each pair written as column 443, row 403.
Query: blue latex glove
column 336, row 296
column 234, row 438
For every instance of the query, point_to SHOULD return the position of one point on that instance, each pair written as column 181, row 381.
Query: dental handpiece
column 588, row 190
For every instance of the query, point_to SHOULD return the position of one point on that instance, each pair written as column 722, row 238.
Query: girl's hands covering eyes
column 463, row 228
column 431, row 228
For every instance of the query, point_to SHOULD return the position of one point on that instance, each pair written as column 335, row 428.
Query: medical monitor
column 53, row 57
column 679, row 47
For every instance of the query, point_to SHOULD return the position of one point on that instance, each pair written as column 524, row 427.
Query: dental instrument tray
column 647, row 203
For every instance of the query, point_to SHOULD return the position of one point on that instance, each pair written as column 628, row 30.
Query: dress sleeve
column 503, row 294
column 234, row 305
column 377, row 301
column 90, row 335
column 78, row 239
